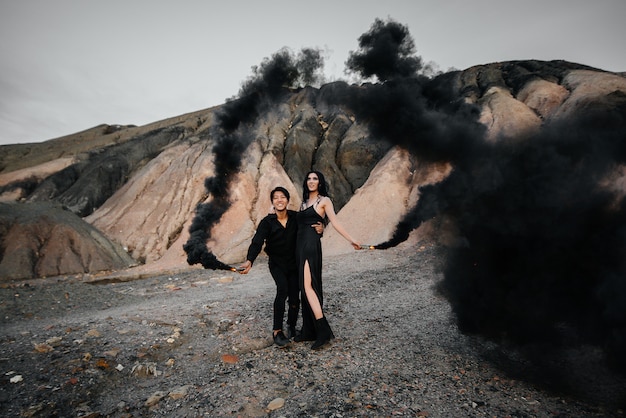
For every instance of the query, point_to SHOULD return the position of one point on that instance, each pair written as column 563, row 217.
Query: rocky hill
column 140, row 186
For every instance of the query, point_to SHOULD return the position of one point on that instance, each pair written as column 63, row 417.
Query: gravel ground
column 197, row 343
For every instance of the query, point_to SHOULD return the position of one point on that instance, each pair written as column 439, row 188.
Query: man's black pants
column 287, row 288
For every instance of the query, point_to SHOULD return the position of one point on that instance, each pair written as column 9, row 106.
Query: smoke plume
column 387, row 52
column 268, row 81
column 544, row 241
column 540, row 254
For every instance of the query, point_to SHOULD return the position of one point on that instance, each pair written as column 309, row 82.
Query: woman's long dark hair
column 321, row 188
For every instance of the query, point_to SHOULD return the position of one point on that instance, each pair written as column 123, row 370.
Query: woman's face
column 312, row 182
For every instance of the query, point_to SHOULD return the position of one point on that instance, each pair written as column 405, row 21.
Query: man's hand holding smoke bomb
column 244, row 268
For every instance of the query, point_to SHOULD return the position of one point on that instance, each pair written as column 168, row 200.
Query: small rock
column 43, row 348
column 179, row 392
column 144, row 370
column 54, row 341
column 102, row 364
column 276, row 404
column 112, row 353
column 230, row 358
column 155, row 398
column 94, row 333
column 224, row 325
column 16, row 379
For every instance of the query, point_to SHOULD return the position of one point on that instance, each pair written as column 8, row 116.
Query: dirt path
column 198, row 343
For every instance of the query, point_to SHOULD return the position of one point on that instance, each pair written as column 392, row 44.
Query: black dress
column 309, row 248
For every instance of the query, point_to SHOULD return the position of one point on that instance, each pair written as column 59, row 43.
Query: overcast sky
column 69, row 65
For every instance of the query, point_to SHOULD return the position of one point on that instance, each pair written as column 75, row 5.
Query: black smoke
column 404, row 107
column 540, row 254
column 269, row 81
column 543, row 260
column 387, row 52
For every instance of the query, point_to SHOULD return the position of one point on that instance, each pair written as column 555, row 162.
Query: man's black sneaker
column 280, row 339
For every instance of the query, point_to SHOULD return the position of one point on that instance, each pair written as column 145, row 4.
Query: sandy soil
column 197, row 343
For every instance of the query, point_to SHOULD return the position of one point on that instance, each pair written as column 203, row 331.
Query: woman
column 316, row 206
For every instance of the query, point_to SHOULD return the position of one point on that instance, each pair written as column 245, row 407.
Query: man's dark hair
column 279, row 189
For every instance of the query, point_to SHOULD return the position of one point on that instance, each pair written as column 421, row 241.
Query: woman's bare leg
column 311, row 296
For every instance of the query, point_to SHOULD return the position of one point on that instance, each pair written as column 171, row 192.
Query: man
column 278, row 231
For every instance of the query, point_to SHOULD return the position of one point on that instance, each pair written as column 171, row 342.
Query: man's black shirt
column 280, row 242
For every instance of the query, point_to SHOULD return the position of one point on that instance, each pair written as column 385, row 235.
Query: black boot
column 323, row 331
column 307, row 333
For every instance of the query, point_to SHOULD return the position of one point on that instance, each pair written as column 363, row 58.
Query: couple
column 293, row 245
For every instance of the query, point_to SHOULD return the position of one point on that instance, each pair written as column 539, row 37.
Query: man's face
column 280, row 201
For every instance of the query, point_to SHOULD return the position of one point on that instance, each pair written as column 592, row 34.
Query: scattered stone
column 425, row 367
column 180, row 392
column 230, row 358
column 102, row 364
column 54, row 341
column 94, row 333
column 144, row 370
column 276, row 404
column 155, row 398
column 43, row 348
column 112, row 353
column 224, row 325
column 16, row 379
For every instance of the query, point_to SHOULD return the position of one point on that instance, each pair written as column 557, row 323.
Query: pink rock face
column 148, row 212
column 506, row 116
column 543, row 97
column 389, row 192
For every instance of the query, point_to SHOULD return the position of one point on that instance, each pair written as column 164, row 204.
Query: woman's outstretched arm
column 329, row 209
